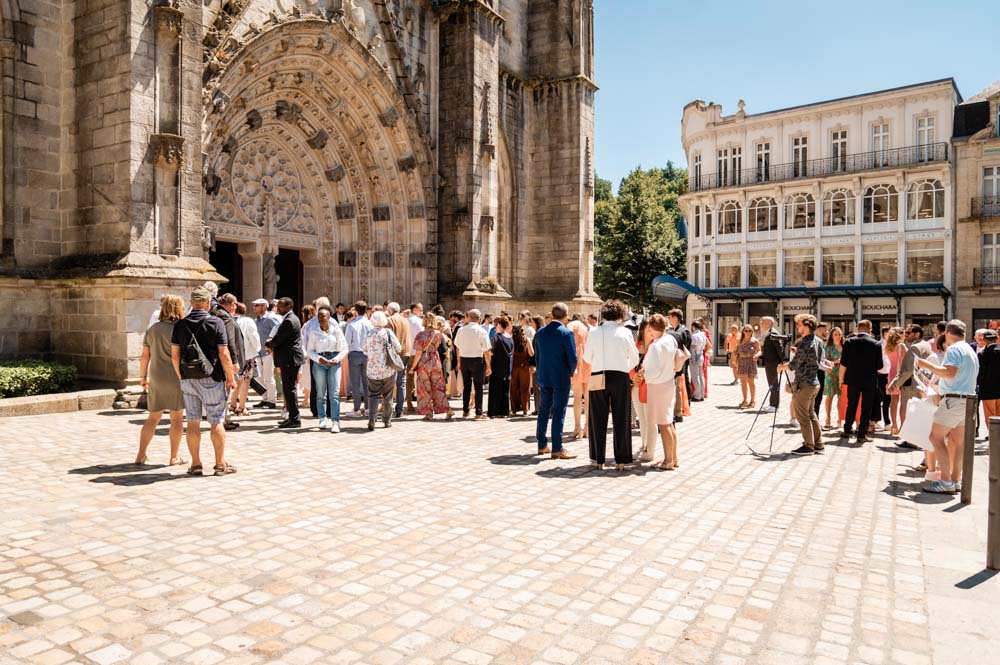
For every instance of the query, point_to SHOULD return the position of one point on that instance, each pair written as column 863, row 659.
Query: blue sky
column 655, row 56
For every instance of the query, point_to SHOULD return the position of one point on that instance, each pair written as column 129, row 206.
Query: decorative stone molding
column 345, row 211
column 383, row 259
column 167, row 148
column 381, row 213
column 335, row 174
column 168, row 19
column 389, row 118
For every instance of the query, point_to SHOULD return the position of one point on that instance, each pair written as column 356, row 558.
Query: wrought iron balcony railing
column 986, row 206
column 985, row 277
column 817, row 168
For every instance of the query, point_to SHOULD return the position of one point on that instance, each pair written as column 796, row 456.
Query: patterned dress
column 831, row 387
column 430, row 385
column 746, row 363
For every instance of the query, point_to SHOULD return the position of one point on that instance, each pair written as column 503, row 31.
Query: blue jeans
column 326, row 387
column 358, row 368
column 553, row 404
column 401, row 387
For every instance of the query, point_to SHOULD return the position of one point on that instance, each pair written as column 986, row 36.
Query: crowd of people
column 639, row 373
column 873, row 380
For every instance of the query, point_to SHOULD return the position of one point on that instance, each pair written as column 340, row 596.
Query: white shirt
column 660, row 359
column 529, row 331
column 331, row 340
column 472, row 341
column 611, row 348
column 308, row 328
column 251, row 340
column 698, row 341
column 416, row 325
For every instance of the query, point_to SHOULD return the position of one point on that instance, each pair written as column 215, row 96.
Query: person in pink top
column 895, row 350
column 579, row 380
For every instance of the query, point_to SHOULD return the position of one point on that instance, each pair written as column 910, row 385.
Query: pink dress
column 895, row 360
column 580, row 332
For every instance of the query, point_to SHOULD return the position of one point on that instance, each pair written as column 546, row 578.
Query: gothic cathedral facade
column 432, row 150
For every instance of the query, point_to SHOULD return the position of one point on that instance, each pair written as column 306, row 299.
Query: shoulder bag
column 392, row 359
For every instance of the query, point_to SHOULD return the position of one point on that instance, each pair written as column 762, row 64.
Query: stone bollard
column 969, row 444
column 993, row 527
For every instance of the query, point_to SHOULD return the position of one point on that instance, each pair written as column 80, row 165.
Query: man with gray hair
column 474, row 351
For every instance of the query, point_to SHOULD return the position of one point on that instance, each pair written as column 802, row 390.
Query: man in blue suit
column 555, row 361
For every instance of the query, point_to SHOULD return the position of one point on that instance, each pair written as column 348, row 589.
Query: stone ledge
column 84, row 400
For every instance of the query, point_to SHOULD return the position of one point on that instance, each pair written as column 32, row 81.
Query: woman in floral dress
column 747, row 353
column 831, row 388
column 426, row 367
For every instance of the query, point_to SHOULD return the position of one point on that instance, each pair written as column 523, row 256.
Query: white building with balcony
column 842, row 207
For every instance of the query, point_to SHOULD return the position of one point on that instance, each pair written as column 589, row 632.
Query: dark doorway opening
column 226, row 260
column 288, row 267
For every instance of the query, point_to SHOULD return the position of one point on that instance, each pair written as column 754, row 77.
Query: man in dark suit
column 286, row 345
column 772, row 354
column 859, row 366
column 555, row 361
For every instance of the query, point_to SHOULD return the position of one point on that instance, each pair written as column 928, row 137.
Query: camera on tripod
column 785, row 343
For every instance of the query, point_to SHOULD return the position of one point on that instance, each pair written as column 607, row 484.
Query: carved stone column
column 167, row 144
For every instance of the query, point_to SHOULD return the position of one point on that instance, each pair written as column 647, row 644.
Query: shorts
column 950, row 412
column 206, row 396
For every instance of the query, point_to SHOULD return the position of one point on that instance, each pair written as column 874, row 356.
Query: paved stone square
column 450, row 542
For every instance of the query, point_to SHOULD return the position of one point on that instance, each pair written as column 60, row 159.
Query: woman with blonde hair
column 578, row 382
column 426, row 369
column 895, row 350
column 663, row 358
column 747, row 352
column 158, row 378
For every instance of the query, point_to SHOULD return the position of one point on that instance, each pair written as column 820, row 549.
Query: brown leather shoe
column 544, row 451
column 562, row 454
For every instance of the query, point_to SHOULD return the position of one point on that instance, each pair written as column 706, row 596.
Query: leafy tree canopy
column 636, row 234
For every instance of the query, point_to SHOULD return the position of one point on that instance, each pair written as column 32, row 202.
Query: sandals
column 451, row 414
column 663, row 466
column 177, row 461
column 224, row 469
column 428, row 417
column 195, row 470
column 140, row 462
column 743, row 404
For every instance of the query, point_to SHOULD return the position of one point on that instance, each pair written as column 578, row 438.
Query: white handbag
column 919, row 419
column 596, row 380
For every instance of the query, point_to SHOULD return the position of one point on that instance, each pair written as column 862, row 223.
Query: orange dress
column 580, row 332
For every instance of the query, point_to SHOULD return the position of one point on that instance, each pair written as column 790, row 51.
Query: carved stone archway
column 309, row 145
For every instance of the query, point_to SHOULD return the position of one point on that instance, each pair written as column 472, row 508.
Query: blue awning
column 672, row 289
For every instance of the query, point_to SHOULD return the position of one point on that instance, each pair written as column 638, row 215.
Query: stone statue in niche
column 270, row 276
column 357, row 20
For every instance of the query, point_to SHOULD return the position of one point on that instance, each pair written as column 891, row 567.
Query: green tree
column 636, row 235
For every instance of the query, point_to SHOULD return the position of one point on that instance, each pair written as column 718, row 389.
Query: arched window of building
column 881, row 204
column 730, row 217
column 838, row 208
column 925, row 200
column 763, row 215
column 800, row 211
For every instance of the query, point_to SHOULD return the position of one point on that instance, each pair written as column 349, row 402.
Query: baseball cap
column 200, row 294
column 259, row 301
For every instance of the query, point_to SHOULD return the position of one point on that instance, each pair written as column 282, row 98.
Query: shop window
column 881, row 204
column 925, row 200
column 880, row 264
column 763, row 215
column 763, row 269
column 838, row 208
column 730, row 218
column 800, row 266
column 924, row 262
column 800, row 212
column 730, row 271
column 838, row 266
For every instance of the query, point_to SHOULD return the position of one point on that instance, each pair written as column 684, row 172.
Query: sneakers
column 768, row 409
column 803, row 450
column 357, row 413
column 335, row 428
column 324, row 423
column 942, row 487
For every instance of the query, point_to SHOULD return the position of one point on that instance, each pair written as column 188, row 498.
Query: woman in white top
column 327, row 347
column 611, row 353
column 662, row 361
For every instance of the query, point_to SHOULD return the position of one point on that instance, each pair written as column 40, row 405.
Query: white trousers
column 267, row 378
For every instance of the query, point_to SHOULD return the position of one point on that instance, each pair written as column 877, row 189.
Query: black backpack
column 194, row 363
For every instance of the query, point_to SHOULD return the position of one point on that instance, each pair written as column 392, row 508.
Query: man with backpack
column 200, row 355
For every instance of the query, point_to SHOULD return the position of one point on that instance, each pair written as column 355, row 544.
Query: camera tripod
column 774, row 421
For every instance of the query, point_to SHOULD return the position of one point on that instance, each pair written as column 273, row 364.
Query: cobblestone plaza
column 451, row 543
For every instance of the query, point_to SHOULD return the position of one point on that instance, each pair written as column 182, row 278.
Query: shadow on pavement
column 114, row 468
column 517, row 460
column 973, row 581
column 121, row 412
column 137, row 480
column 914, row 492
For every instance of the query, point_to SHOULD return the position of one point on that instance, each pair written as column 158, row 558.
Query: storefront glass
column 838, row 266
column 924, row 262
column 758, row 310
column 800, row 266
column 730, row 273
column 727, row 314
column 763, row 269
column 880, row 263
column 985, row 318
